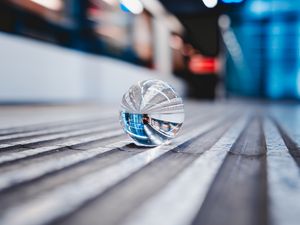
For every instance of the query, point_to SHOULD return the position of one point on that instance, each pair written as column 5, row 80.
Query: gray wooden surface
column 232, row 164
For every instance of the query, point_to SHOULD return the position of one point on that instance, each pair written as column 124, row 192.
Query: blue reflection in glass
column 134, row 126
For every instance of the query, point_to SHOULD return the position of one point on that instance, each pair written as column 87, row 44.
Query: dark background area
column 233, row 48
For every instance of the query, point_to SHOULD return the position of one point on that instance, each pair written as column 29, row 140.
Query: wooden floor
column 232, row 164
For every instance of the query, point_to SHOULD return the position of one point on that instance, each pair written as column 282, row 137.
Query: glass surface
column 151, row 113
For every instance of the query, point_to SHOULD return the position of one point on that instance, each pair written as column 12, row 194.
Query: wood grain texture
column 232, row 163
column 240, row 186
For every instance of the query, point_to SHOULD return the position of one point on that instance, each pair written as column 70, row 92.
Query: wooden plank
column 240, row 186
column 288, row 136
column 28, row 190
column 23, row 118
column 53, row 130
column 12, row 156
column 283, row 179
column 58, row 137
column 35, row 121
column 288, row 118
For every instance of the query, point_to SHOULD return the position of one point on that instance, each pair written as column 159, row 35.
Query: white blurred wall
column 32, row 71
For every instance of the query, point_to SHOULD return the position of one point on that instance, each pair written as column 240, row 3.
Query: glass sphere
column 151, row 113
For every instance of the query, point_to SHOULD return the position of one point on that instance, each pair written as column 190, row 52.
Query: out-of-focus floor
column 233, row 163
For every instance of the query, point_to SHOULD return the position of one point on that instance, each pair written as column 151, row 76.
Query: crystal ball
column 151, row 113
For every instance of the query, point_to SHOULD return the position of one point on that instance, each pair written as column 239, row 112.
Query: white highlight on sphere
column 210, row 3
column 134, row 6
column 50, row 4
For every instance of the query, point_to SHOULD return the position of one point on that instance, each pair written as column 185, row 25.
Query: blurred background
column 92, row 50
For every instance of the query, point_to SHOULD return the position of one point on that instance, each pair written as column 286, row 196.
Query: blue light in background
column 282, row 58
column 298, row 84
column 260, row 7
column 273, row 57
column 232, row 1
